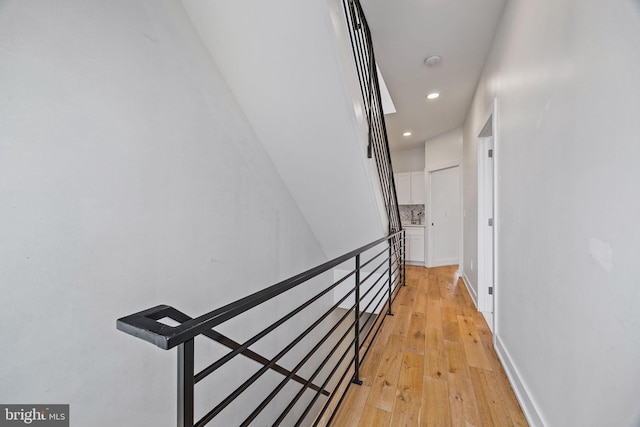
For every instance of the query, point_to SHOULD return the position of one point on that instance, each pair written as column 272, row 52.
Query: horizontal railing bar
column 300, row 364
column 372, row 316
column 396, row 291
column 397, row 285
column 375, row 318
column 379, row 316
column 398, row 266
column 366, row 309
column 377, row 294
column 373, row 285
column 373, row 258
column 167, row 337
column 231, row 397
column 384, row 262
column 317, row 371
column 368, row 347
column 179, row 316
column 397, row 269
column 319, row 416
column 383, row 301
column 398, row 280
column 215, row 365
column 228, row 342
column 344, row 374
column 326, row 381
column 264, row 361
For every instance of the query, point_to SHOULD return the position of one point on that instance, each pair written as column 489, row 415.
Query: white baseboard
column 529, row 407
column 446, row 261
column 472, row 292
column 488, row 317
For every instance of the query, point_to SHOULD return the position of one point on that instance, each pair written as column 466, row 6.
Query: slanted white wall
column 129, row 177
column 283, row 61
column 565, row 75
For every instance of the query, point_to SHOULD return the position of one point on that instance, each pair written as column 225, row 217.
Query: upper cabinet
column 417, row 188
column 410, row 188
column 403, row 188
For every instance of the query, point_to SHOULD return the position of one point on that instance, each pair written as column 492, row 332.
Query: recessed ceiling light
column 406, row 134
column 433, row 95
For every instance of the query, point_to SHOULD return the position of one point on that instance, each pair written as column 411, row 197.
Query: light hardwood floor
column 432, row 364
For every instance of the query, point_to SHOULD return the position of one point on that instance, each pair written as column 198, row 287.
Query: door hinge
column 490, row 222
column 490, row 152
column 490, row 290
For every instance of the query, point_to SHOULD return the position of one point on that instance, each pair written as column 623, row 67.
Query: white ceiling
column 405, row 33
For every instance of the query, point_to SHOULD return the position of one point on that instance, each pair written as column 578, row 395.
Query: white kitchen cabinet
column 403, row 188
column 417, row 188
column 410, row 188
column 414, row 244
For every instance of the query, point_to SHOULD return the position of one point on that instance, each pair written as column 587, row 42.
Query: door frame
column 488, row 237
column 429, row 235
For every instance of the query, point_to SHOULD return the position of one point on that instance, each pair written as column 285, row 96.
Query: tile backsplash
column 405, row 213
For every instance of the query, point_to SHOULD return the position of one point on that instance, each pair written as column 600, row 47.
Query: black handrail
column 145, row 325
column 366, row 68
column 380, row 285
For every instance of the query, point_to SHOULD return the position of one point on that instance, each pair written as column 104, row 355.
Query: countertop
column 412, row 225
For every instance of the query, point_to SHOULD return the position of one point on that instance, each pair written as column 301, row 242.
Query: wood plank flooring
column 432, row 364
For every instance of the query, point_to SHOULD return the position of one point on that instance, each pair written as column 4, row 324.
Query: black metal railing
column 378, row 144
column 297, row 366
column 299, row 354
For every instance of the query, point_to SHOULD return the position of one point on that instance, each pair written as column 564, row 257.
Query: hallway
column 448, row 376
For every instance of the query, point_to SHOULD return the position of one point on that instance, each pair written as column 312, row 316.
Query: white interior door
column 444, row 217
column 486, row 225
column 487, row 290
column 489, row 249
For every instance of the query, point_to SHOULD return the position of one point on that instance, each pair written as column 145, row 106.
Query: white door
column 444, row 219
column 486, row 239
column 488, row 254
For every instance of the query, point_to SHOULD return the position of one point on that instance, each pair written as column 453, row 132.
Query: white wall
column 408, row 160
column 565, row 76
column 283, row 61
column 129, row 177
column 443, row 149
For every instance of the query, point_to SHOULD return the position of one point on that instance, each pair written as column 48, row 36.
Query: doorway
column 444, row 225
column 487, row 224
